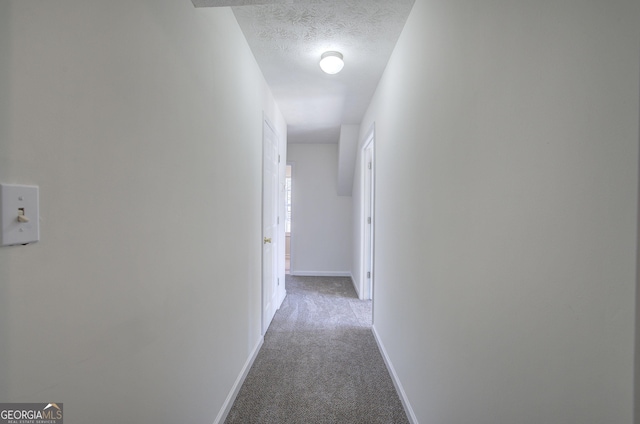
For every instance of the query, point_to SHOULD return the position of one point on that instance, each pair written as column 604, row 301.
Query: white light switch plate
column 16, row 200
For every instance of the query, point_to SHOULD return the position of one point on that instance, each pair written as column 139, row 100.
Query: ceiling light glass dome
column 331, row 62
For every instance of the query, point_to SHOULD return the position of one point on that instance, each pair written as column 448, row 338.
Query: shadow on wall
column 636, row 382
column 5, row 89
column 317, row 135
column 5, row 319
column 5, row 172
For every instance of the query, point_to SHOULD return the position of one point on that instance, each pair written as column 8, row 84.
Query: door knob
column 267, row 240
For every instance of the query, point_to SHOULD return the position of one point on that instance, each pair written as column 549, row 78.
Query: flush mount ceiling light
column 331, row 62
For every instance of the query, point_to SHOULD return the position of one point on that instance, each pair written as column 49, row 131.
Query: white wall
column 347, row 152
column 636, row 380
column 141, row 302
column 507, row 167
column 636, row 384
column 321, row 220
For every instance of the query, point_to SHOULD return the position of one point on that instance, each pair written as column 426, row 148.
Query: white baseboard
column 355, row 286
column 228, row 403
column 396, row 380
column 321, row 273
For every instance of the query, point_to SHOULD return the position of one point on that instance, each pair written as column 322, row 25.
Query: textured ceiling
column 221, row 3
column 287, row 38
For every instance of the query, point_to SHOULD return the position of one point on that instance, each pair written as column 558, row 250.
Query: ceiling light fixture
column 331, row 62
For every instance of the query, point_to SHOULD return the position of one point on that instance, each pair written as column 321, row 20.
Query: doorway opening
column 287, row 219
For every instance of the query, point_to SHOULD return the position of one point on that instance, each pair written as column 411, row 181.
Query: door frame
column 367, row 200
column 292, row 164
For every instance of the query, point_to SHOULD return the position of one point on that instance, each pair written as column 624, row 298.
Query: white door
column 269, row 225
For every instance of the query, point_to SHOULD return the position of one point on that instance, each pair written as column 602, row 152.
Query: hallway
column 505, row 212
column 319, row 362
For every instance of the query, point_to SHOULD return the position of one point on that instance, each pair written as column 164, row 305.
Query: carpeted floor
column 319, row 362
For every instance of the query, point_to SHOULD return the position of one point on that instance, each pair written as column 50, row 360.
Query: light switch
column 19, row 215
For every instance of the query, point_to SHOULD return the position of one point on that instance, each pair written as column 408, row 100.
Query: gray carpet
column 319, row 362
